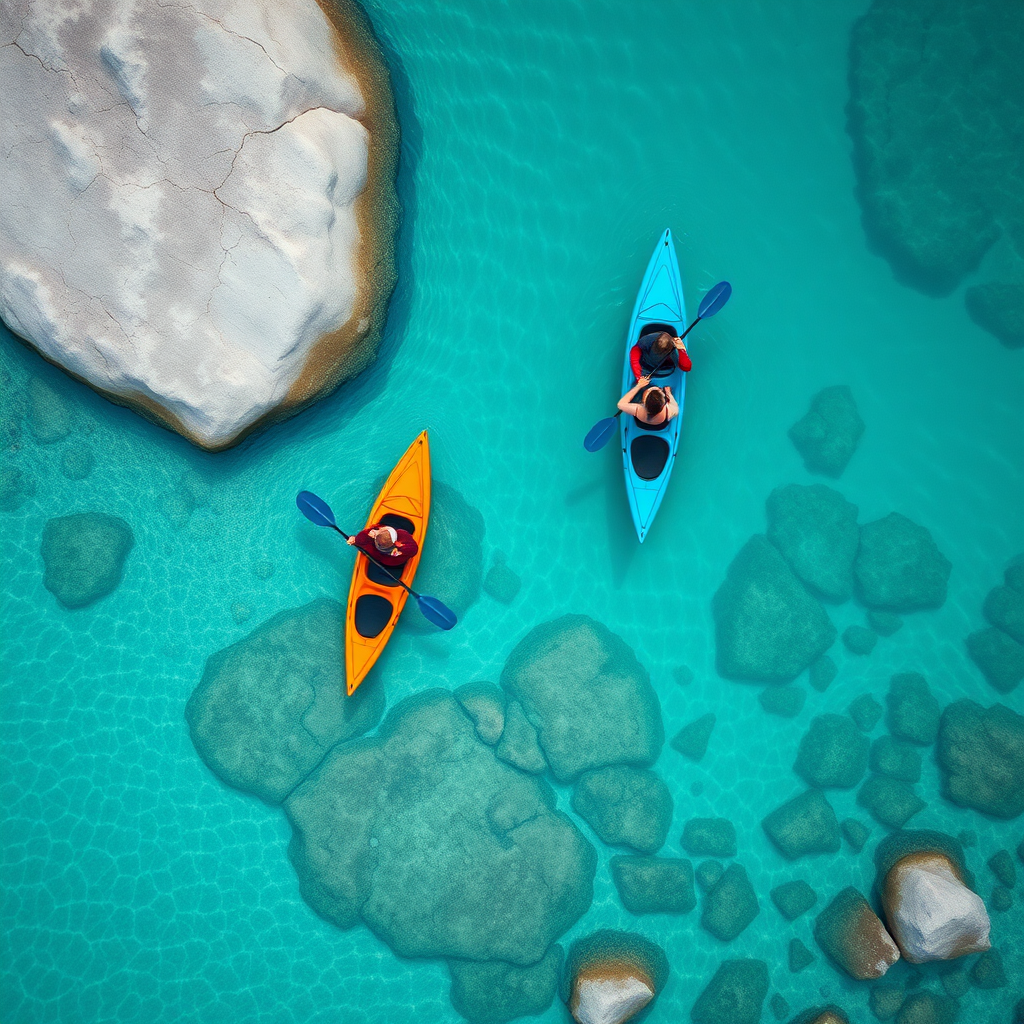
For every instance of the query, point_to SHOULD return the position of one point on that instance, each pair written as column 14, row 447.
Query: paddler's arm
column 625, row 403
column 685, row 363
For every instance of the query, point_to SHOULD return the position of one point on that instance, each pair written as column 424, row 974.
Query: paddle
column 715, row 299
column 316, row 510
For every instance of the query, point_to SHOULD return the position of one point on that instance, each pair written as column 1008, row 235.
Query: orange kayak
column 374, row 599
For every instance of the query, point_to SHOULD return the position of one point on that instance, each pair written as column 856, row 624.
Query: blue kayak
column 649, row 455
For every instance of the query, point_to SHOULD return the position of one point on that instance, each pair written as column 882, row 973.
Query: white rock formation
column 187, row 216
column 931, row 914
column 609, row 996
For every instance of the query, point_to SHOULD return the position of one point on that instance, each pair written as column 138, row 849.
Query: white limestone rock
column 931, row 914
column 198, row 211
column 609, row 997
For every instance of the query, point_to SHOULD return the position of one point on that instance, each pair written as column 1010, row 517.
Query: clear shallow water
column 546, row 146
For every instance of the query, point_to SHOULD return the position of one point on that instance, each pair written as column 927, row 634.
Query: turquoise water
column 545, row 147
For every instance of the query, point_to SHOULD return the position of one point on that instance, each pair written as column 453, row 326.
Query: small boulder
column 692, row 740
column 269, row 707
column 859, row 640
column 709, row 837
column 49, row 416
column 885, row 1001
column 589, row 698
column 884, row 623
column 853, row 937
column 855, row 833
column 708, row 872
column 1000, row 657
column 654, row 885
column 815, row 530
column 955, row 980
column 682, row 675
column 821, row 673
column 804, row 825
column 997, row 307
column 610, row 976
column 828, row 434
column 832, row 753
column 518, row 745
column 734, row 995
column 77, row 462
column 84, row 556
column 625, row 806
column 912, row 713
column 987, row 971
column 240, row 612
column 495, row 992
column 898, row 567
column 15, row 487
column 822, row 1014
column 793, row 898
column 928, row 1008
column 1001, row 865
column 799, row 956
column 768, row 628
column 485, row 705
column 501, row 582
column 1001, row 900
column 865, row 711
column 981, row 756
column 891, row 802
column 931, row 912
column 779, row 1007
column 1004, row 608
column 784, row 701
column 895, row 758
column 730, row 905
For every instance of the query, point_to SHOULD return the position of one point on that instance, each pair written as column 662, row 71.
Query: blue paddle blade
column 315, row 509
column 599, row 434
column 440, row 615
column 714, row 300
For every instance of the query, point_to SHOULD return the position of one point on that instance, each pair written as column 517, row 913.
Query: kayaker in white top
column 657, row 408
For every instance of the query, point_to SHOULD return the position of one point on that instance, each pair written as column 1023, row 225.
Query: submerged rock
column 928, row 1008
column 768, row 628
column 828, row 434
column 15, row 487
column 931, row 912
column 821, row 673
column 1000, row 658
column 610, row 976
column 884, row 623
column 49, row 416
column 784, row 701
column 865, row 711
column 998, row 307
column 440, row 848
column 793, row 899
column 452, row 566
column 859, row 640
column 1001, row 899
column 692, row 740
column 815, row 529
column 912, row 713
column 804, row 825
column 501, row 582
column 981, row 756
column 896, row 759
column 625, row 806
column 833, row 753
column 270, row 706
column 898, row 566
column 84, row 556
column 1001, row 865
column 855, row 833
column 730, row 905
column 590, row 699
column 709, row 837
column 77, row 462
column 987, row 971
column 495, row 992
column 779, row 1007
column 885, row 1001
column 708, row 872
column 485, row 705
column 734, row 995
column 518, row 744
column 242, row 195
column 854, row 938
column 891, row 802
column 1004, row 608
column 654, row 885
column 799, row 956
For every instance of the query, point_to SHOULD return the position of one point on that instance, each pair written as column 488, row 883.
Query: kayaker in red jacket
column 647, row 354
column 386, row 544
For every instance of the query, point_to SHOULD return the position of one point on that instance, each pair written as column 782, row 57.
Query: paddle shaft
column 334, row 526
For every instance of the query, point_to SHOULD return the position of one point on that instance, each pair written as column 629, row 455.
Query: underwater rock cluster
column 234, row 163
column 827, row 436
column 939, row 182
column 998, row 650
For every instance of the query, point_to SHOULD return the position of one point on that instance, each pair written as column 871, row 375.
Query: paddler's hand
column 642, row 382
column 351, row 540
column 393, row 552
column 679, row 343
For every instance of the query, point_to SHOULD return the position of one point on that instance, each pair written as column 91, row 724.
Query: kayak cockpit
column 649, row 454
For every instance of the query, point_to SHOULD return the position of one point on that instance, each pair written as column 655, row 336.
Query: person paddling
column 653, row 349
column 386, row 544
column 656, row 409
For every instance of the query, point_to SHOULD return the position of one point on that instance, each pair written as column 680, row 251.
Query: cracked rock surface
column 198, row 206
